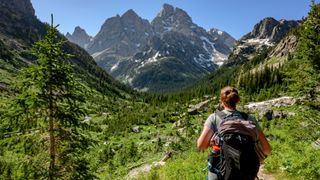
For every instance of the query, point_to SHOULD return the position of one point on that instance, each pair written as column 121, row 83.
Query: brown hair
column 229, row 96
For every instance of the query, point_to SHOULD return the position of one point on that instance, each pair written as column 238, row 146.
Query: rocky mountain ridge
column 265, row 34
column 129, row 48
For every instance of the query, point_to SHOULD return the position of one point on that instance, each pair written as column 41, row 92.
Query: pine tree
column 309, row 42
column 49, row 96
column 303, row 72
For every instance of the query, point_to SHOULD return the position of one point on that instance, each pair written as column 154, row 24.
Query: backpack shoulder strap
column 221, row 114
column 244, row 115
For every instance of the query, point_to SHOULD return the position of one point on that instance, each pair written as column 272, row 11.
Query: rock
column 136, row 129
column 192, row 111
column 285, row 47
column 289, row 114
column 278, row 102
column 3, row 86
column 177, row 124
column 134, row 173
column 87, row 119
column 206, row 97
column 264, row 108
column 182, row 132
column 316, row 144
column 167, row 156
column 202, row 106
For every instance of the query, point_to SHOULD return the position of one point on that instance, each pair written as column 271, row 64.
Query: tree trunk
column 51, row 144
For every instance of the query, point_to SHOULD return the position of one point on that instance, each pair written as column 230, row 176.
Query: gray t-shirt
column 214, row 121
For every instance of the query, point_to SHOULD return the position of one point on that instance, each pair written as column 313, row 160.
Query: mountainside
column 20, row 28
column 126, row 42
column 267, row 33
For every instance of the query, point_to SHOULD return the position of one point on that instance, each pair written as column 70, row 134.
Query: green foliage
column 189, row 165
column 291, row 141
column 302, row 73
column 309, row 41
column 49, row 97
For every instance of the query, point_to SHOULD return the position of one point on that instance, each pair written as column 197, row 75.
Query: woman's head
column 229, row 96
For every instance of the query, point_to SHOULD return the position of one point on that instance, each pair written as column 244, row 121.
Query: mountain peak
column 270, row 28
column 78, row 31
column 166, row 10
column 79, row 36
column 130, row 14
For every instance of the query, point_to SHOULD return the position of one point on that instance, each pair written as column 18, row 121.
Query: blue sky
column 237, row 17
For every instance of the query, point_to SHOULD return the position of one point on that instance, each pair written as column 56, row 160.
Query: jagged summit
column 266, row 33
column 166, row 10
column 79, row 31
column 270, row 28
column 130, row 14
column 171, row 18
column 121, row 35
column 80, row 37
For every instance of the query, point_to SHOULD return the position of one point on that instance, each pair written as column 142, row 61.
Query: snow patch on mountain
column 219, row 58
column 95, row 55
column 114, row 67
column 255, row 41
column 204, row 61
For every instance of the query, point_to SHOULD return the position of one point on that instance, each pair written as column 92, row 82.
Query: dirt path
column 263, row 175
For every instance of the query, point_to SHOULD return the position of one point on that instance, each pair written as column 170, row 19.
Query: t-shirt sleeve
column 252, row 118
column 210, row 122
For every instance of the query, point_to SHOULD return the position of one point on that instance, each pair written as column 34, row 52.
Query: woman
column 229, row 97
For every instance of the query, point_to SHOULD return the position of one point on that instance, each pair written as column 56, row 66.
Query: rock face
column 285, row 47
column 80, row 37
column 202, row 106
column 122, row 35
column 19, row 6
column 167, row 54
column 265, row 108
column 268, row 32
column 18, row 20
column 270, row 29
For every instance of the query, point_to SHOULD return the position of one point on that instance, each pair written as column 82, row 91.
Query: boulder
column 202, row 106
column 316, row 144
column 136, row 129
column 177, row 124
column 264, row 108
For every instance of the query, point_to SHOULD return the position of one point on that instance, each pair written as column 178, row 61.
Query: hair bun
column 229, row 96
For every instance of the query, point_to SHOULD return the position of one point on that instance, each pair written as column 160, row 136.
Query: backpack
column 237, row 158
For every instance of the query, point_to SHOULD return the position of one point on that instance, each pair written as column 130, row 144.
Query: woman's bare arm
column 264, row 143
column 204, row 139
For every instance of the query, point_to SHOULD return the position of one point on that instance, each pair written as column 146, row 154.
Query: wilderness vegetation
column 67, row 129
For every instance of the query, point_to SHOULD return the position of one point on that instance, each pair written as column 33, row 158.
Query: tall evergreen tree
column 304, row 70
column 49, row 96
column 309, row 42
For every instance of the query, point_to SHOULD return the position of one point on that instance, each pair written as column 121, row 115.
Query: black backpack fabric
column 237, row 158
